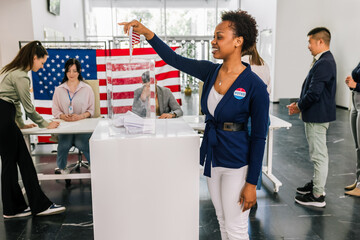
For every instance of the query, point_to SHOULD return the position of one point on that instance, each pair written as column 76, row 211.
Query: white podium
column 147, row 186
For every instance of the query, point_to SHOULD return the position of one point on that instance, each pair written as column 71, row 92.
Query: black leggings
column 13, row 152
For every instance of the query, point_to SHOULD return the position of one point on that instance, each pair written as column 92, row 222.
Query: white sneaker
column 53, row 209
column 25, row 213
column 65, row 171
column 62, row 171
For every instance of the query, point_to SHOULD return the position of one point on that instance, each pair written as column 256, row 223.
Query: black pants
column 13, row 152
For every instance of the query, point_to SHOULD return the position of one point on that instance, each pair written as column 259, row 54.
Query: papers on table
column 134, row 124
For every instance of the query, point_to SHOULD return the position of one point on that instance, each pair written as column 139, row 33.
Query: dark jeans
column 13, row 152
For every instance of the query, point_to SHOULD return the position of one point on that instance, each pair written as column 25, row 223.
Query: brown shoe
column 355, row 192
column 351, row 187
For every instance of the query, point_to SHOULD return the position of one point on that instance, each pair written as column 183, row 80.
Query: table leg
column 267, row 170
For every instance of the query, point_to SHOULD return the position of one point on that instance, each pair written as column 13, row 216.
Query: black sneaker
column 308, row 188
column 310, row 200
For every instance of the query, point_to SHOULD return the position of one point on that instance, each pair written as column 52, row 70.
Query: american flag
column 93, row 63
column 134, row 37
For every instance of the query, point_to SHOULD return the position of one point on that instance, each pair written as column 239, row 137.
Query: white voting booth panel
column 146, row 186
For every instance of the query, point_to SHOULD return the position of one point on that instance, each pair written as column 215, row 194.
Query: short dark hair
column 68, row 65
column 244, row 25
column 321, row 33
column 145, row 77
column 25, row 57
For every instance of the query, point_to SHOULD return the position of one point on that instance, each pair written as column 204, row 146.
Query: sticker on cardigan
column 239, row 93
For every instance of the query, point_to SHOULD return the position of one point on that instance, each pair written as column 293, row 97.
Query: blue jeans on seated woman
column 66, row 141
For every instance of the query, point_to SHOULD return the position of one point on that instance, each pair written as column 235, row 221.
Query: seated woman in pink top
column 73, row 100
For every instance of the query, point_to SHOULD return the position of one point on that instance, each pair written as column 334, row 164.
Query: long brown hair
column 254, row 57
column 25, row 57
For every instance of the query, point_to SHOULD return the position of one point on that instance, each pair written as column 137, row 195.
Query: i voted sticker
column 239, row 93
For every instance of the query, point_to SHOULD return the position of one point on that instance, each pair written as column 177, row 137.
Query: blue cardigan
column 247, row 97
column 317, row 98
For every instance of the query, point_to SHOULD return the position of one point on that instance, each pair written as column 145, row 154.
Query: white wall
column 292, row 58
column 70, row 22
column 264, row 12
column 15, row 25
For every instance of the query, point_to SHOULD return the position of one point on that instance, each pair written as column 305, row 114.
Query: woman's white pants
column 225, row 186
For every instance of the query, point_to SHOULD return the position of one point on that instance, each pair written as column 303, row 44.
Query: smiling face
column 225, row 42
column 72, row 73
column 38, row 63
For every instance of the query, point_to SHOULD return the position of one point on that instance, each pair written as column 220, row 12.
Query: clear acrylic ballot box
column 131, row 95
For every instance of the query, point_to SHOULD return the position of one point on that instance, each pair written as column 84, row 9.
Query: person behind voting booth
column 232, row 93
column 166, row 104
column 15, row 90
column 73, row 100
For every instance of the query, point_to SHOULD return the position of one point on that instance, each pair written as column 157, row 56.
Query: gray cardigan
column 167, row 102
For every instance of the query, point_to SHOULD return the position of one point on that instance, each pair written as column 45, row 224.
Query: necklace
column 219, row 82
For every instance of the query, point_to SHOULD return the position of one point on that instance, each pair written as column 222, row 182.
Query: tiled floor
column 277, row 216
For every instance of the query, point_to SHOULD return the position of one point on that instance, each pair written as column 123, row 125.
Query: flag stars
column 40, row 82
column 46, row 87
column 63, row 70
column 87, row 65
column 77, row 56
column 52, row 60
column 48, row 65
column 58, row 65
column 87, row 57
column 53, row 69
column 51, row 91
column 45, row 78
column 57, row 56
column 40, row 73
column 59, row 74
column 49, row 74
column 83, row 70
column 88, row 75
column 41, row 91
column 54, row 78
column 62, row 60
column 82, row 61
column 67, row 56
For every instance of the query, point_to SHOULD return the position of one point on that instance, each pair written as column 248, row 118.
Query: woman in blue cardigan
column 353, row 83
column 232, row 93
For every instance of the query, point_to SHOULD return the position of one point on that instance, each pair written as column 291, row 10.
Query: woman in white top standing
column 73, row 100
column 258, row 65
column 261, row 68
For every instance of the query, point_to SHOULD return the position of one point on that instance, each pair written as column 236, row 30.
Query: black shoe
column 308, row 188
column 310, row 200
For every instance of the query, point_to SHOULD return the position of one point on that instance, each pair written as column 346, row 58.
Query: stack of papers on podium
column 134, row 124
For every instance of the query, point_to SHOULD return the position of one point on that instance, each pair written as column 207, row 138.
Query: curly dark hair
column 244, row 25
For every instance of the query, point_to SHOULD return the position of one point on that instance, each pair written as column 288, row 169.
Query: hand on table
column 31, row 125
column 71, row 117
column 166, row 115
column 53, row 124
